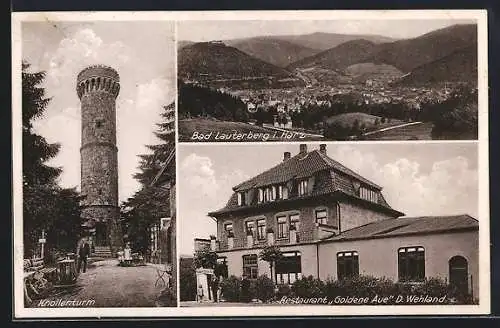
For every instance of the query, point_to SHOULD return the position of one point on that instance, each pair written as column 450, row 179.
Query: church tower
column 97, row 87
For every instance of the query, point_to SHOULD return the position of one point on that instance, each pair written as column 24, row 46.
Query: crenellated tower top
column 99, row 78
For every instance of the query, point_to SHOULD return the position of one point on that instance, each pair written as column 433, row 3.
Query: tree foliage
column 46, row 206
column 199, row 101
column 205, row 258
column 150, row 203
column 271, row 254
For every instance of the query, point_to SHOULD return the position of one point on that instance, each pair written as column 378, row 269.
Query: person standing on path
column 83, row 253
column 215, row 287
column 199, row 293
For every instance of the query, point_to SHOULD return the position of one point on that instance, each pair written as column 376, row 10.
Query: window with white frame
column 295, row 221
column 288, row 268
column 261, row 229
column 273, row 193
column 250, row 228
column 261, row 195
column 283, row 192
column 321, row 216
column 368, row 194
column 411, row 264
column 347, row 265
column 250, row 266
column 241, row 199
column 282, row 226
column 228, row 228
column 303, row 187
column 267, row 194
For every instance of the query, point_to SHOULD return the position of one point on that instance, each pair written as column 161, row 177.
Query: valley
column 298, row 82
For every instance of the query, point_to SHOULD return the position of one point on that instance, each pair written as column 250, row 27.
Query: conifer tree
column 149, row 204
column 46, row 206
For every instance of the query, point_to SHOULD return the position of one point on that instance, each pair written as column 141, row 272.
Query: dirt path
column 105, row 284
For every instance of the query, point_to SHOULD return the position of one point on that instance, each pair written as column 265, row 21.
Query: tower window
column 98, row 123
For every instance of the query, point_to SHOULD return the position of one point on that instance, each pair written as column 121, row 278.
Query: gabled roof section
column 408, row 226
column 329, row 177
column 297, row 167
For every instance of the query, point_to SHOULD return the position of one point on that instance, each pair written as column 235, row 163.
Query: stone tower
column 97, row 87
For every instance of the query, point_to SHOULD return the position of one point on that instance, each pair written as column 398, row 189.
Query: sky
column 200, row 31
column 417, row 178
column 143, row 53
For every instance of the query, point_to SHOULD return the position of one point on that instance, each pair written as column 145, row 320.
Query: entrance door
column 459, row 276
column 101, row 234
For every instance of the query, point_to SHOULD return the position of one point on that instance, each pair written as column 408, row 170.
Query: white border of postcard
column 20, row 312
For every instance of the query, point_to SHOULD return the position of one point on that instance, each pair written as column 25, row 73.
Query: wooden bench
column 37, row 278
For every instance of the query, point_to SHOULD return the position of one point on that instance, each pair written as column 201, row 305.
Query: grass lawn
column 368, row 120
column 203, row 130
column 411, row 132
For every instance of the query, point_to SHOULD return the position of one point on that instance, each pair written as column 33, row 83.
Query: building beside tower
column 331, row 223
column 98, row 87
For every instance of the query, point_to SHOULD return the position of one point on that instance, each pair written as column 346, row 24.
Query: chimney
column 322, row 149
column 286, row 156
column 303, row 149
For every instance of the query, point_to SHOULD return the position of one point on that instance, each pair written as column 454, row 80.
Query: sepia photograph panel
column 98, row 164
column 313, row 80
column 329, row 224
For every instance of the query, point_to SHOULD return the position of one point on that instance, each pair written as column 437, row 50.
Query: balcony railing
column 292, row 238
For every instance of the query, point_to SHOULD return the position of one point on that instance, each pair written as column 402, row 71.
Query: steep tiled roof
column 330, row 177
column 300, row 166
column 408, row 225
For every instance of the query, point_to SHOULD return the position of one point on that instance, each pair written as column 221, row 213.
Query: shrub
column 264, row 288
column 360, row 286
column 230, row 289
column 308, row 287
column 284, row 290
column 187, row 285
column 246, row 290
column 167, row 298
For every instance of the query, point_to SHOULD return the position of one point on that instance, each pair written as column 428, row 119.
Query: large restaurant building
column 330, row 223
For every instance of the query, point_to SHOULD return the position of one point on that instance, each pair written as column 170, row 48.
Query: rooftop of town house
column 302, row 165
column 331, row 177
column 408, row 226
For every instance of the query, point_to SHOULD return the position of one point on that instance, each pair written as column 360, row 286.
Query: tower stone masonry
column 97, row 87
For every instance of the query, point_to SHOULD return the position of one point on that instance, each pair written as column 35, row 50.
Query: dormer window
column 268, row 194
column 368, row 194
column 284, row 192
column 261, row 195
column 241, row 199
column 281, row 192
column 302, row 187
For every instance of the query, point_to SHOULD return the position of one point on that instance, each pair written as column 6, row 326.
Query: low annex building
column 331, row 222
